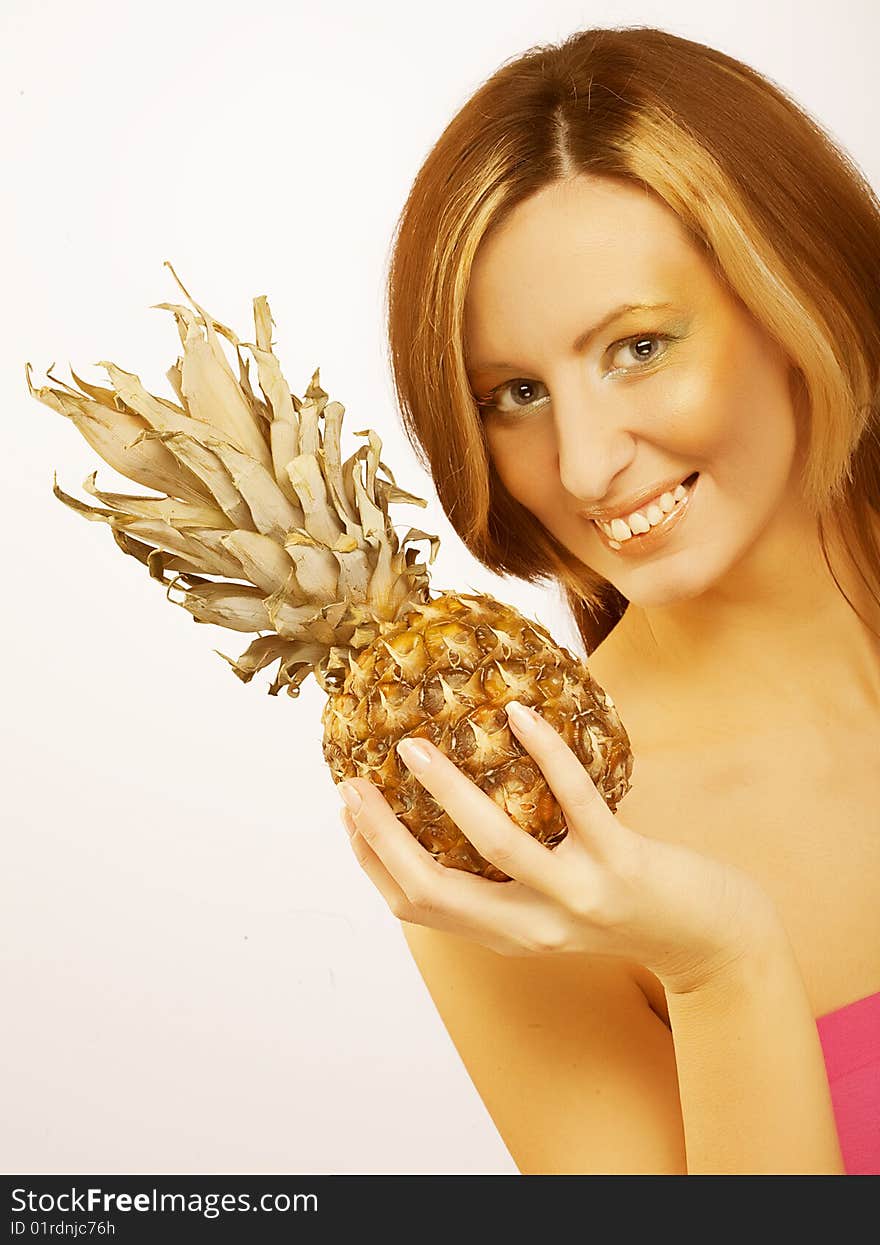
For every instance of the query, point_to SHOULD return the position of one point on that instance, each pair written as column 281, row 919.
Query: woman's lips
column 638, row 546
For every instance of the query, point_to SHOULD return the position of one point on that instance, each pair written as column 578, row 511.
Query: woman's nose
column 590, row 452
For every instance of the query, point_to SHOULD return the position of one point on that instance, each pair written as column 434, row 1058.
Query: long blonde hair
column 787, row 220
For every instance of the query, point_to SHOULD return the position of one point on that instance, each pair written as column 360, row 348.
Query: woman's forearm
column 752, row 1080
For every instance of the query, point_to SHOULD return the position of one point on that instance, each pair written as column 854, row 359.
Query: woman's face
column 654, row 396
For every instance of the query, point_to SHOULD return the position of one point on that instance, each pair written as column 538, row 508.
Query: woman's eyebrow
column 587, row 337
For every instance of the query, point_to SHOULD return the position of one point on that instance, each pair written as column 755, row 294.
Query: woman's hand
column 604, row 890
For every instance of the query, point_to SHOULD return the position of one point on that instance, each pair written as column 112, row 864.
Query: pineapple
column 299, row 545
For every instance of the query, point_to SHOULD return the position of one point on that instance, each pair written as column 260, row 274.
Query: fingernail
column 415, row 756
column 351, row 796
column 346, row 819
column 520, row 715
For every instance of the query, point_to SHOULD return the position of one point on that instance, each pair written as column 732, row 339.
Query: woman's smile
column 662, row 519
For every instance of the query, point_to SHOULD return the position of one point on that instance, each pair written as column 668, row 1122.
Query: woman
column 693, row 984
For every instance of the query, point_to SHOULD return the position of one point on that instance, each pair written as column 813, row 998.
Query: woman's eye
column 520, row 394
column 638, row 343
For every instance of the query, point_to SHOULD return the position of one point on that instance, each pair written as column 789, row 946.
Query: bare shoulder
column 620, row 672
column 772, row 789
column 574, row 1066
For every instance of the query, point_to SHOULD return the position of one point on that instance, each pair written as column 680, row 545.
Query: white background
column 196, row 975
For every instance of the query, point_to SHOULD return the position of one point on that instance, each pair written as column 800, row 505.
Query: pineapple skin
column 444, row 671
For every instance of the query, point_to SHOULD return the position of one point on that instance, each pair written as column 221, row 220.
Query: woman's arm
column 580, row 1075
column 753, row 1091
column 574, row 1068
column 752, row 1081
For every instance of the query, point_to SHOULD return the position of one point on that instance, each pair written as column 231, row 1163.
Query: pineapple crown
column 254, row 489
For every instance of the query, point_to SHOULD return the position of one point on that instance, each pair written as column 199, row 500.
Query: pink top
column 850, row 1040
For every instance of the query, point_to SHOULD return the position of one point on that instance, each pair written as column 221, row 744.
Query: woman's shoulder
column 622, row 674
column 765, row 787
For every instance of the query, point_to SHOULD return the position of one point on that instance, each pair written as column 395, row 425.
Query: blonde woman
column 632, row 277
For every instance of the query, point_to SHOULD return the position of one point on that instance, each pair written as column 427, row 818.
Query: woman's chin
column 660, row 595
column 672, row 582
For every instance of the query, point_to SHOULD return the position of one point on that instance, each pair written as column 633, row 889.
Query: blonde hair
column 785, row 217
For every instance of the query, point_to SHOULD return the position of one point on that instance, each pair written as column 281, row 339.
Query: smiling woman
column 613, row 434
column 638, row 347
column 662, row 153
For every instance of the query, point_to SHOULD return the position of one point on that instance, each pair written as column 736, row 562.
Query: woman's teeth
column 643, row 520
